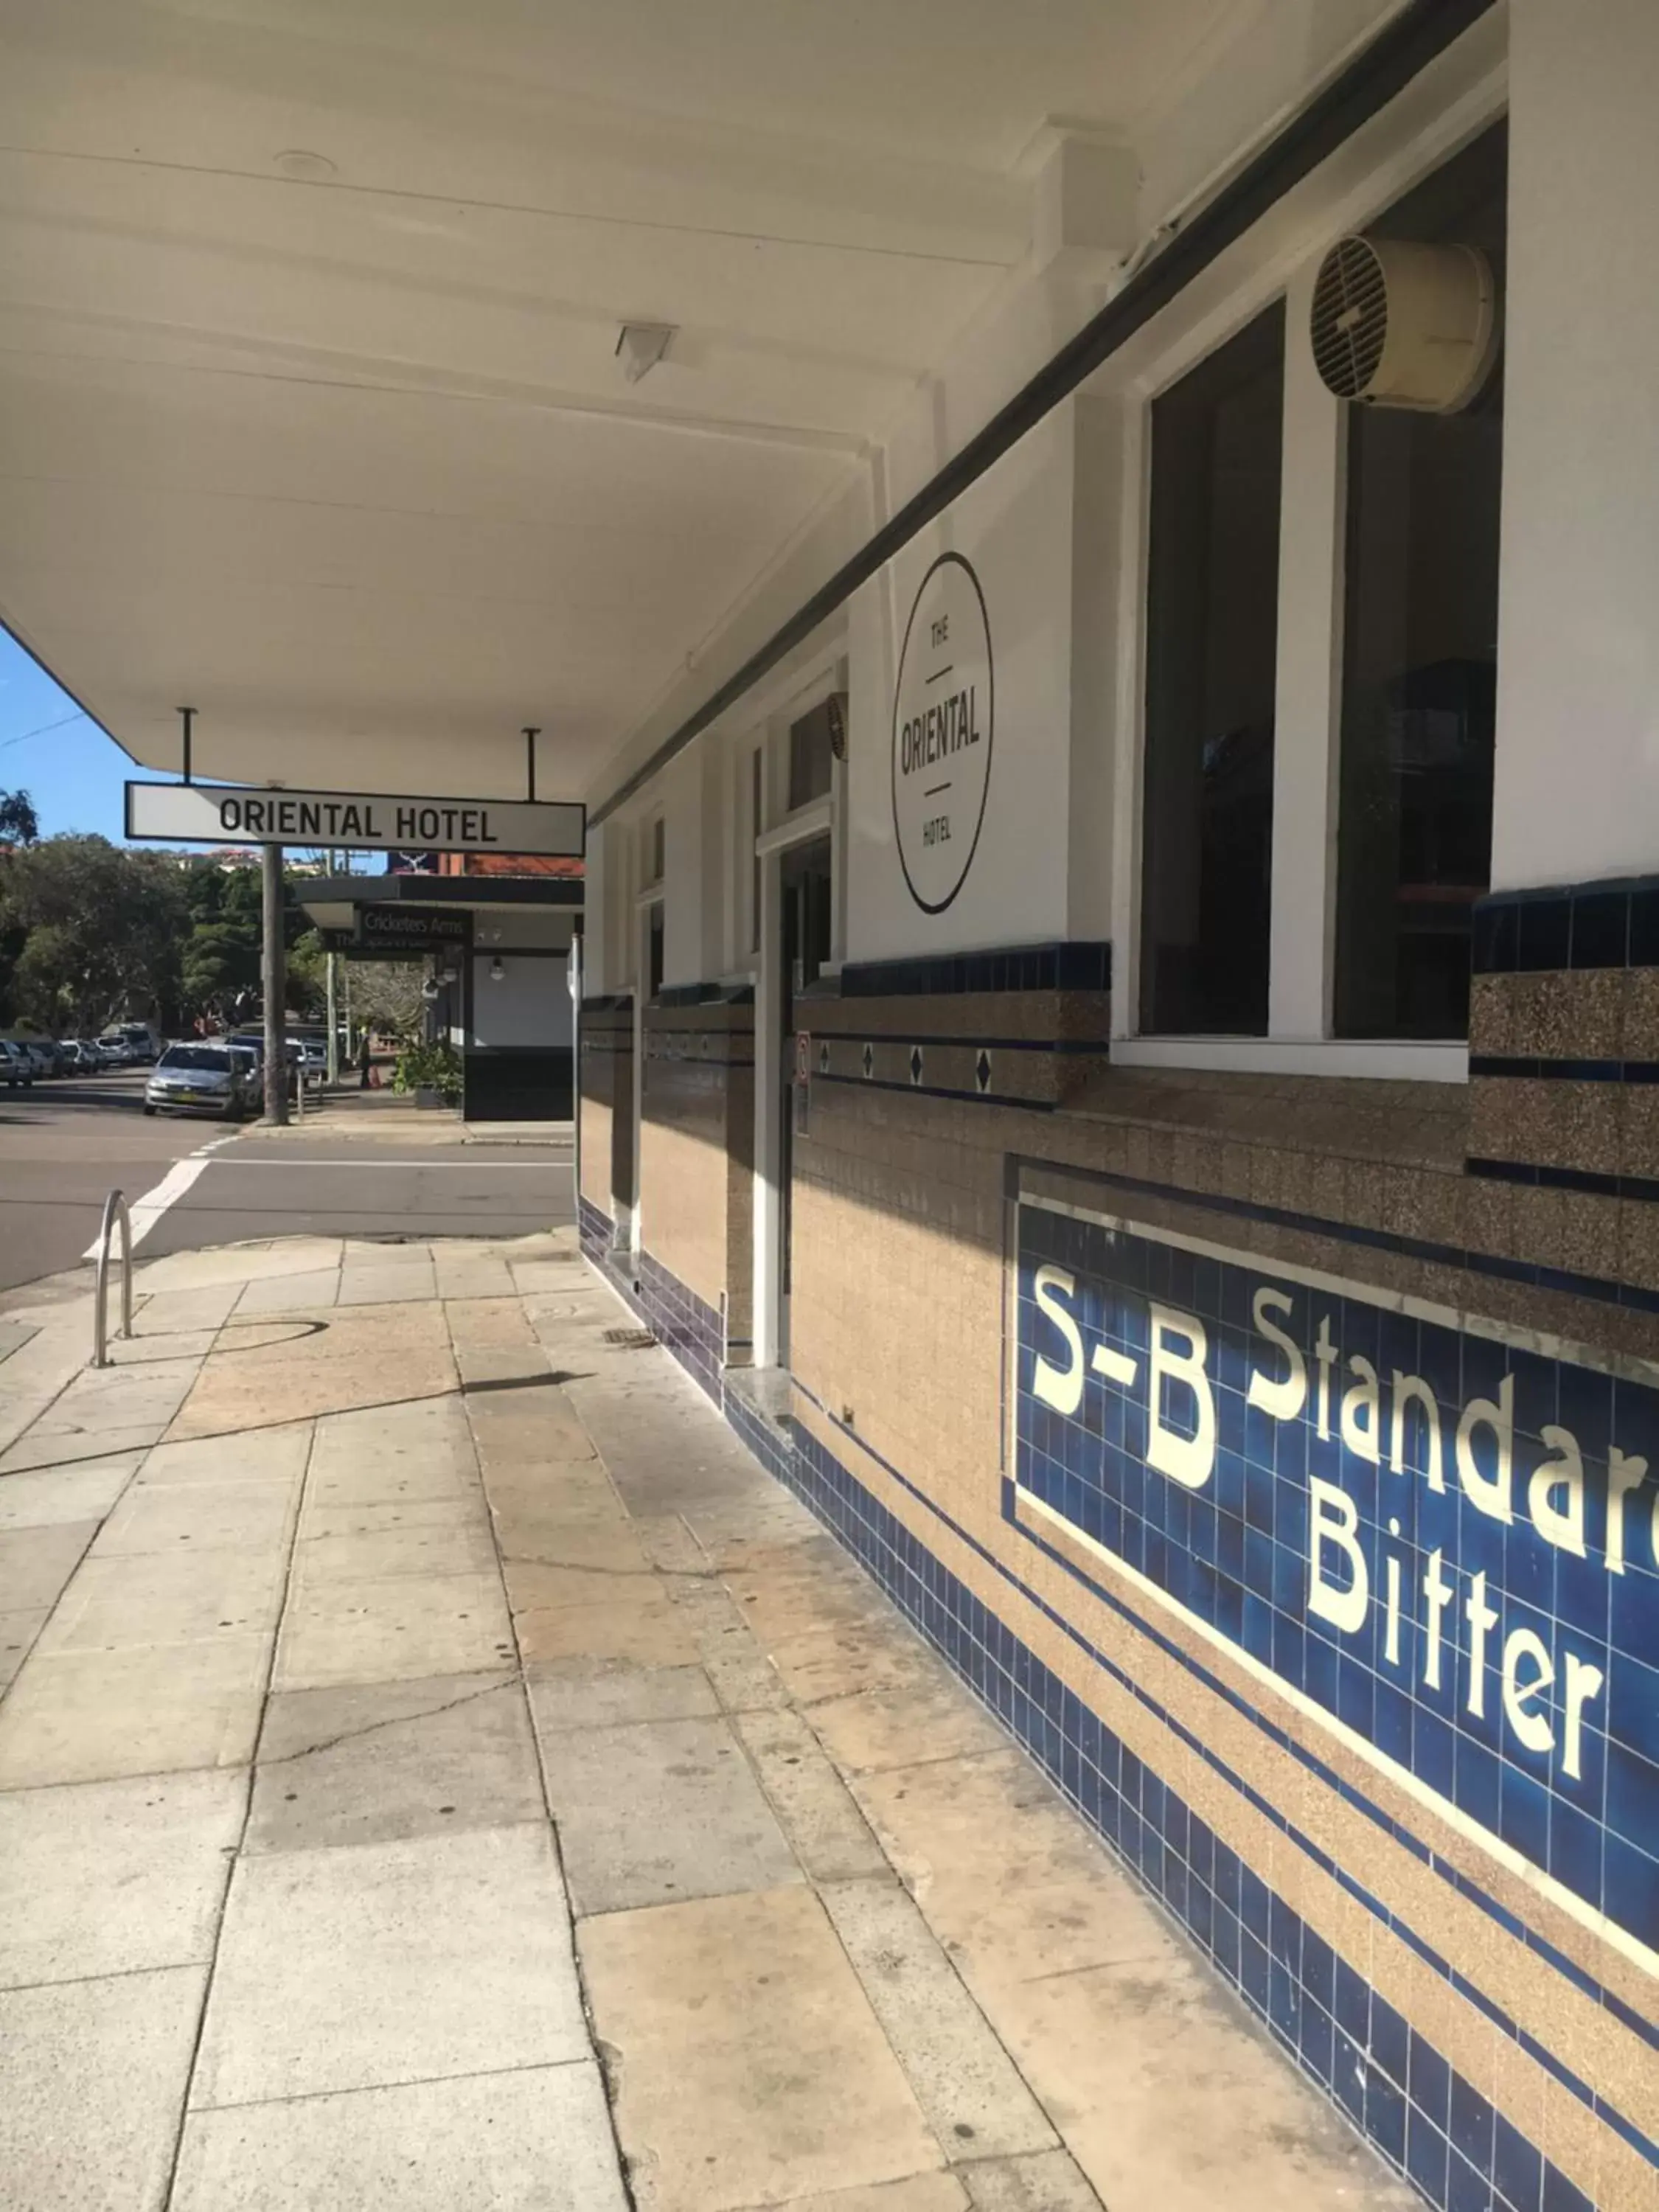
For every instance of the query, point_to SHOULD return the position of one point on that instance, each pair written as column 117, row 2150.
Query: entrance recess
column 805, row 880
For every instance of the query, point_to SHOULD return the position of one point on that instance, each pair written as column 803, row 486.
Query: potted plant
column 431, row 1071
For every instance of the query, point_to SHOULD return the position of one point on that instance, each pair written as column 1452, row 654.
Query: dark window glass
column 1211, row 630
column 812, row 756
column 658, row 845
column 654, row 984
column 1420, row 664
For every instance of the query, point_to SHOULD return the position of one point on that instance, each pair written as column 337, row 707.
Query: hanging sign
column 942, row 718
column 414, row 929
column 236, row 814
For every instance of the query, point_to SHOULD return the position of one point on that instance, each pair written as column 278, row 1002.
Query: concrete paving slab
column 363, row 1283
column 112, row 1398
column 390, row 1759
column 485, row 1319
column 882, row 1657
column 469, row 1276
column 1010, row 1880
column 392, row 1630
column 114, row 1877
column 830, row 1836
column 786, row 2085
column 922, row 2192
column 238, row 1263
column 36, row 1562
column 383, row 1963
column 534, row 1428
column 533, row 2140
column 660, row 1810
column 964, row 2081
column 454, row 1547
column 584, row 1694
column 394, row 1454
column 167, row 1597
column 234, row 1395
column 233, row 1516
column 314, row 1291
column 655, row 1633
column 146, row 1350
column 17, row 1633
column 91, row 1715
column 930, row 1719
column 69, row 1493
column 743, row 1677
column 320, row 1517
column 39, row 1449
column 544, row 1274
column 599, row 1540
column 92, row 2078
column 1049, row 2181
column 167, row 1313
column 272, row 1453
column 1171, row 2098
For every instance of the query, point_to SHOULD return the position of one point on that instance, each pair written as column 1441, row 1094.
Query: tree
column 104, row 927
column 19, row 823
column 385, row 996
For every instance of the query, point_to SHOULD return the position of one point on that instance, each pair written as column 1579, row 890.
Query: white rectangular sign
column 240, row 814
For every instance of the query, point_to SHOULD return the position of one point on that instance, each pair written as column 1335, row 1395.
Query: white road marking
column 425, row 1166
column 147, row 1211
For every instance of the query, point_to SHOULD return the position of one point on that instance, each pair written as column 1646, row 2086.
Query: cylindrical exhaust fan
column 1396, row 323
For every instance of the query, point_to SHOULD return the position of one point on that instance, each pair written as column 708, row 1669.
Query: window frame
column 1276, row 260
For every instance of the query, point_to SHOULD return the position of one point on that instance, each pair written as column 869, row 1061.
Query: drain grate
column 631, row 1340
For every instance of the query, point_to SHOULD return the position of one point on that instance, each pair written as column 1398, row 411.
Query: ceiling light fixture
column 306, row 168
column 497, row 973
column 641, row 346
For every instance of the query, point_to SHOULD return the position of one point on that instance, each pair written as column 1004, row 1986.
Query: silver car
column 200, row 1079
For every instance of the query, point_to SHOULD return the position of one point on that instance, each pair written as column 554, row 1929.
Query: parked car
column 143, row 1045
column 74, row 1057
column 200, row 1079
column 16, row 1066
column 116, row 1049
column 43, row 1054
column 93, row 1056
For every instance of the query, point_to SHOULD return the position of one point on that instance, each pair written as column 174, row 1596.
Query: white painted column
column 1577, row 756
column 1308, row 705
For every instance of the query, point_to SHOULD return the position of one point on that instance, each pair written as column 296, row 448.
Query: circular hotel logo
column 942, row 718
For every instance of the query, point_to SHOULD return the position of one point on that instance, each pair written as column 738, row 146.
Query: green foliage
column 101, row 929
column 429, row 1067
column 19, row 823
column 385, row 996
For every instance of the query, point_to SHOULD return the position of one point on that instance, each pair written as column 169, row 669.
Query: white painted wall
column 1577, row 782
column 530, row 1005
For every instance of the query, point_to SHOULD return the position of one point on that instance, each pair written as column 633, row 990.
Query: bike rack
column 115, row 1208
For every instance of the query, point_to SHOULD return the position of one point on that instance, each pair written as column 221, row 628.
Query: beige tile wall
column 897, row 1329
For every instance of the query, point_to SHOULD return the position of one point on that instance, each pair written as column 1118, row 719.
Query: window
column 656, row 836
column 811, row 750
column 1420, row 664
column 1211, row 634
column 653, row 981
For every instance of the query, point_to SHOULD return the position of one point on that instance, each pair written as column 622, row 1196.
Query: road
column 65, row 1145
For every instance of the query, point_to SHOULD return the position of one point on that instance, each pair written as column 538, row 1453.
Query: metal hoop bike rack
column 115, row 1209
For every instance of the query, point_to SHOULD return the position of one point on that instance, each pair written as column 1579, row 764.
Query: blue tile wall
column 691, row 1329
column 595, row 1230
column 1424, row 2119
column 1307, row 1551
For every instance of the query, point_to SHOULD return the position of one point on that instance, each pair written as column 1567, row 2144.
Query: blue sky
column 69, row 768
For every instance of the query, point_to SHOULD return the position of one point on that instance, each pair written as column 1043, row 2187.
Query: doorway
column 806, row 878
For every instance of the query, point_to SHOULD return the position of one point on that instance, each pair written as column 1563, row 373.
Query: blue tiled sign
column 1441, row 1543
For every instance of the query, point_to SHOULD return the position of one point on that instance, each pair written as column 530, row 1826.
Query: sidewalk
column 389, row 1117
column 443, row 1770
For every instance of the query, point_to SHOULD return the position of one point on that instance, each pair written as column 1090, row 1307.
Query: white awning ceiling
column 310, row 416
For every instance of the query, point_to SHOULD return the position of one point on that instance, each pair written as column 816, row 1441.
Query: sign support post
column 275, row 987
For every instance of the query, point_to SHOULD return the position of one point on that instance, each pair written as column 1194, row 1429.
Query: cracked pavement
column 443, row 1770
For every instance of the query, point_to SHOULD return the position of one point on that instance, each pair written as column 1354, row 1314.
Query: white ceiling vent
column 1396, row 323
